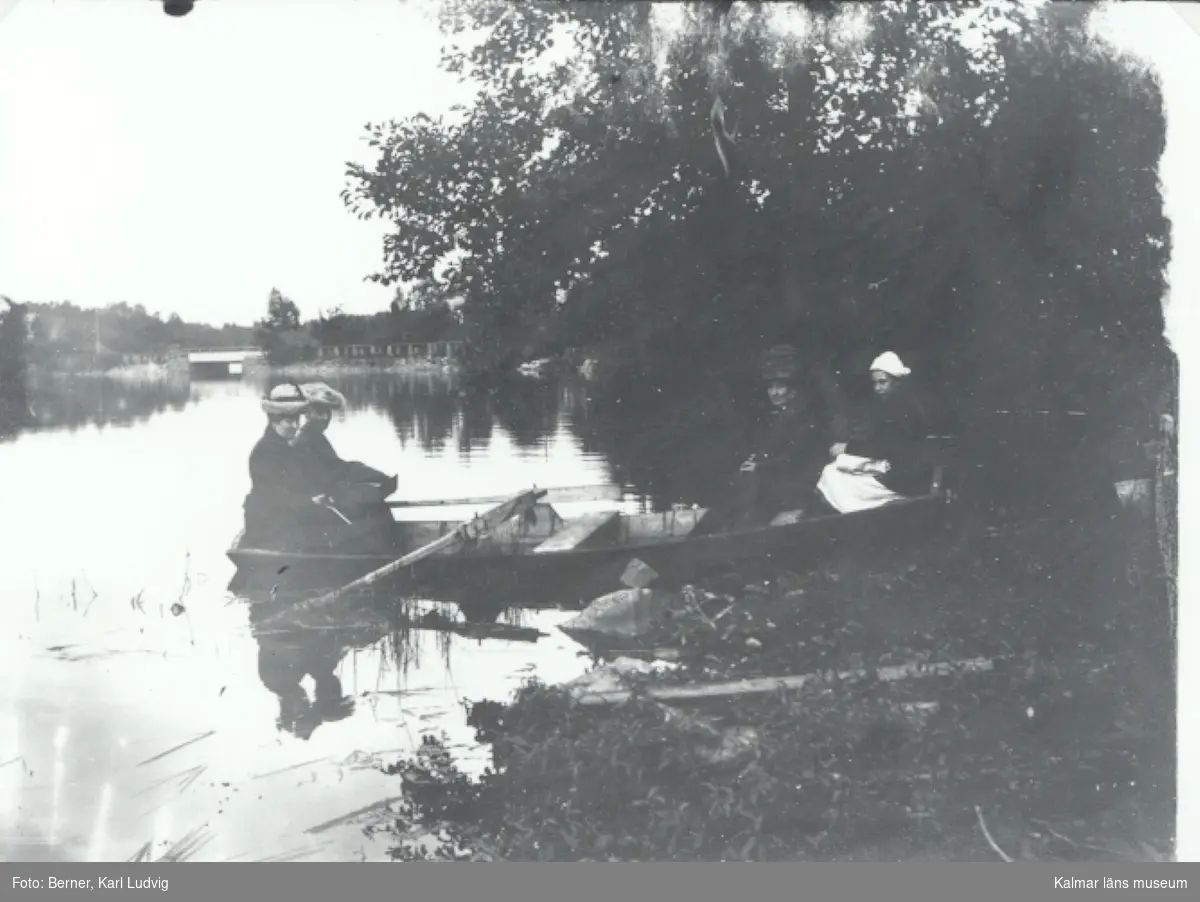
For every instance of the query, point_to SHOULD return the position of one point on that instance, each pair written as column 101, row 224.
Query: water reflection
column 674, row 436
column 74, row 402
column 145, row 713
column 529, row 411
column 286, row 658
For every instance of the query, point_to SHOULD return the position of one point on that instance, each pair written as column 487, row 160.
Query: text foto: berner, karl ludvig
column 100, row 883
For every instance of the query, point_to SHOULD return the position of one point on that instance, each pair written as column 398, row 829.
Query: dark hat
column 782, row 362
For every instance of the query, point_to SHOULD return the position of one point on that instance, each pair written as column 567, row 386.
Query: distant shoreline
column 331, row 368
column 129, row 373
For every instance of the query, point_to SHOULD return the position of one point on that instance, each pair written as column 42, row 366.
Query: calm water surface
column 123, row 723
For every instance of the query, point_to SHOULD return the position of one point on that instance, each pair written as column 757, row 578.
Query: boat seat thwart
column 588, row 530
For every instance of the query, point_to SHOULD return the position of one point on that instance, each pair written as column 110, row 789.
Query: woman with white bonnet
column 886, row 461
column 280, row 509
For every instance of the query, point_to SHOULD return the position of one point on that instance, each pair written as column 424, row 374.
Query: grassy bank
column 1064, row 751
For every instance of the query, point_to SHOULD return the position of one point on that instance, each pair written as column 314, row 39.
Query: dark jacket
column 358, row 492
column 790, row 451
column 895, row 430
column 279, row 509
column 329, row 470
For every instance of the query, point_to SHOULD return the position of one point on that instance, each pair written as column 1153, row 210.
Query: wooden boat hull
column 511, row 572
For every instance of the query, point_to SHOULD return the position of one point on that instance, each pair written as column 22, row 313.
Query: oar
column 565, row 495
column 482, row 523
column 329, row 504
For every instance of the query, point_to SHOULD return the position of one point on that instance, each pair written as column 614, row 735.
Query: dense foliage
column 974, row 186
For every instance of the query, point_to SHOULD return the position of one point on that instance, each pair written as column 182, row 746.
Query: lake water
column 133, row 708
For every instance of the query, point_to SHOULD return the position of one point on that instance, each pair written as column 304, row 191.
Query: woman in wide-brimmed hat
column 282, row 510
column 323, row 402
column 357, row 490
column 887, row 460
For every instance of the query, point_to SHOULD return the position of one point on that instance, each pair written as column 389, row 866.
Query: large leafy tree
column 973, row 185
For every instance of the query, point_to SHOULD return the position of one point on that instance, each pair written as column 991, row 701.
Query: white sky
column 191, row 164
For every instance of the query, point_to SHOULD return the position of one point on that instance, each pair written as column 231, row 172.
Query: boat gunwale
column 263, row 554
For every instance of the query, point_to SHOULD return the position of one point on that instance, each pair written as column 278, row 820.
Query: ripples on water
column 138, row 705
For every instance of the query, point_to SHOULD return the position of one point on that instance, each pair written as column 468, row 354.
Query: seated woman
column 788, row 455
column 886, row 461
column 356, row 490
column 283, row 509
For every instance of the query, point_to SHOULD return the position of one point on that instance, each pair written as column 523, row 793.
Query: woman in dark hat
column 790, row 451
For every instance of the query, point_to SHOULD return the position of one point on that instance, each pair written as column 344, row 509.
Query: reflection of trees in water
column 72, row 403
column 428, row 408
column 671, row 435
column 421, row 408
column 475, row 432
column 527, row 410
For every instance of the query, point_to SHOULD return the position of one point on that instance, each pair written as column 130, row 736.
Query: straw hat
column 321, row 395
column 285, row 400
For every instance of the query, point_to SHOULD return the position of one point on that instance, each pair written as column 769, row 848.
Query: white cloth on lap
column 848, row 488
column 848, row 463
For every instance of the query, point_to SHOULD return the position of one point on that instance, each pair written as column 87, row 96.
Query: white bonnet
column 888, row 362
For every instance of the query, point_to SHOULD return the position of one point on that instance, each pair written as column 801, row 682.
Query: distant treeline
column 65, row 337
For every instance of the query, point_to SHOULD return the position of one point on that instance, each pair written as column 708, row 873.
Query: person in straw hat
column 355, row 489
column 283, row 510
column 886, row 460
column 323, row 403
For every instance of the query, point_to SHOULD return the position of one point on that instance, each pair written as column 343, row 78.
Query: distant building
column 221, row 363
column 408, row 350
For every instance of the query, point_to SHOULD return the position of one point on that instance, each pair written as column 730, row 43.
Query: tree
column 280, row 334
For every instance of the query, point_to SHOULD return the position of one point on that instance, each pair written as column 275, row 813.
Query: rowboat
column 542, row 558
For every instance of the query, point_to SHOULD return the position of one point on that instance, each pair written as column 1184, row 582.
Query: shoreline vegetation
column 368, row 367
column 1053, row 751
